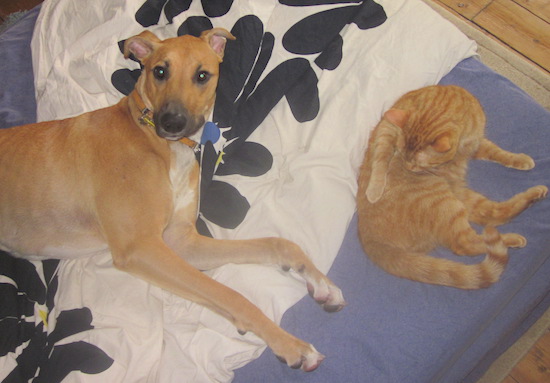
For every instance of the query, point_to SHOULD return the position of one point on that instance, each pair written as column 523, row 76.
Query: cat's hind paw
column 538, row 192
column 514, row 240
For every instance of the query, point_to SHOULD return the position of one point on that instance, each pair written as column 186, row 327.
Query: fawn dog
column 119, row 179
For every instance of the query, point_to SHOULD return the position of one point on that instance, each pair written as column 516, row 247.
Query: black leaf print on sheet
column 304, row 3
column 124, row 80
column 76, row 356
column 331, row 57
column 253, row 160
column 25, row 306
column 15, row 307
column 314, row 33
column 194, row 26
column 175, row 7
column 149, row 13
column 216, row 8
column 211, row 190
column 244, row 62
column 369, row 15
column 282, row 80
column 223, row 194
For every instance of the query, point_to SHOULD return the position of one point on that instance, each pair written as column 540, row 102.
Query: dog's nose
column 173, row 122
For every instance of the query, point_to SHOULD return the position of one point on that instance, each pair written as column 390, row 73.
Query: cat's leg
column 458, row 235
column 490, row 151
column 485, row 212
column 467, row 242
column 462, row 239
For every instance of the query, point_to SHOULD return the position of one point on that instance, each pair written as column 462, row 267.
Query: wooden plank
column 466, row 8
column 535, row 366
column 518, row 28
column 510, row 379
column 10, row 6
column 541, row 8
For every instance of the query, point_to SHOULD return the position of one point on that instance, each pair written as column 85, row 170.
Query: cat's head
column 424, row 143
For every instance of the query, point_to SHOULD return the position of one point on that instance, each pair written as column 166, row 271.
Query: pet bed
column 301, row 89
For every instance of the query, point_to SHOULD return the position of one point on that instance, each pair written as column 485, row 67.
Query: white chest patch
column 183, row 163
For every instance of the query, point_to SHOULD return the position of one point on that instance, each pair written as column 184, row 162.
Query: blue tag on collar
column 211, row 133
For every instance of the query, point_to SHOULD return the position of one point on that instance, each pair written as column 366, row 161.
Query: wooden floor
column 522, row 25
column 9, row 6
column 535, row 366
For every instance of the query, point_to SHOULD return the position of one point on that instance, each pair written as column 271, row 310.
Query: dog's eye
column 202, row 77
column 160, row 72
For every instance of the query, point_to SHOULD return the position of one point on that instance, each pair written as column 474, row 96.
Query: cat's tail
column 439, row 271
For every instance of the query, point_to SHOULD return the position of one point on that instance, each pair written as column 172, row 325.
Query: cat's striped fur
column 413, row 196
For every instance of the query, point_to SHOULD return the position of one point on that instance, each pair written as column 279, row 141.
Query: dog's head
column 179, row 78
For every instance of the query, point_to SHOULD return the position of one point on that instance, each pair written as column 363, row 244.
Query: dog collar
column 146, row 118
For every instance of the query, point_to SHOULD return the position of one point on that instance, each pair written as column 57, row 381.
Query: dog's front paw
column 328, row 295
column 306, row 357
column 319, row 286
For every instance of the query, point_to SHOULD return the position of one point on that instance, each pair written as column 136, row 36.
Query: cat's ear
column 397, row 117
column 443, row 143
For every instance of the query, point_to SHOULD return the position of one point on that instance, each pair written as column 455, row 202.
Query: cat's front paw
column 522, row 161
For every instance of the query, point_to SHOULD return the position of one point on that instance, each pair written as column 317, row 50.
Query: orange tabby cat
column 413, row 196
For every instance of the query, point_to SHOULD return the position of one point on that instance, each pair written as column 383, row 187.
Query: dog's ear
column 217, row 38
column 142, row 45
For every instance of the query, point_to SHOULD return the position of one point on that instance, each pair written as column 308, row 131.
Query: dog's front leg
column 152, row 260
column 206, row 253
